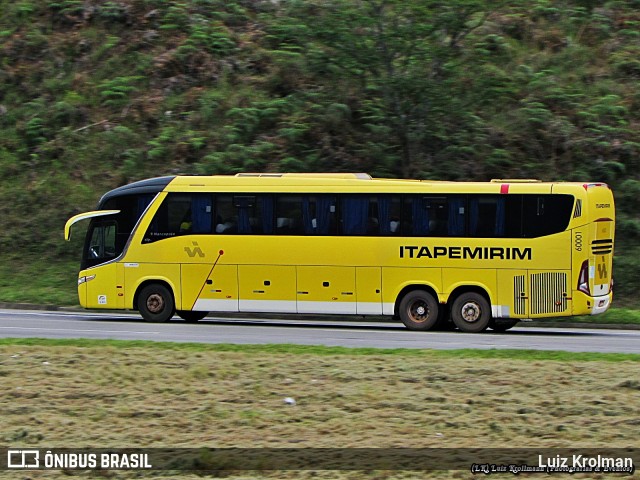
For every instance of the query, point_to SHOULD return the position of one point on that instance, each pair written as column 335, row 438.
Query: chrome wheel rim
column 471, row 312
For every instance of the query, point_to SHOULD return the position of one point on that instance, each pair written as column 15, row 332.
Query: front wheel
column 471, row 312
column 156, row 303
column 419, row 310
column 191, row 316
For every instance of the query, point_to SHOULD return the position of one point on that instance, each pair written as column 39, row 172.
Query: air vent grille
column 602, row 247
column 548, row 293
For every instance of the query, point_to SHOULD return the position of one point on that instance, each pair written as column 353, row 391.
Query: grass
column 39, row 280
column 114, row 394
column 290, row 349
column 611, row 316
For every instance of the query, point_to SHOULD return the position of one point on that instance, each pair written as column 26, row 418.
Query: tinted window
column 434, row 216
column 306, row 215
column 545, row 214
column 181, row 214
column 479, row 216
column 226, row 215
column 358, row 215
column 245, row 214
column 370, row 215
column 289, row 215
column 487, row 216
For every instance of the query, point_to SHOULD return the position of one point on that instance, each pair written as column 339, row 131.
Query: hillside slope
column 95, row 94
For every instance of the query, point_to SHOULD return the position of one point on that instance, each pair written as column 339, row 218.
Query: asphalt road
column 29, row 324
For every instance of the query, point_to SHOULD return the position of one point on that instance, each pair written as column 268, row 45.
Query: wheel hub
column 155, row 303
column 471, row 312
column 419, row 312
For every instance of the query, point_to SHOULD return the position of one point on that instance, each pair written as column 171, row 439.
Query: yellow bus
column 477, row 254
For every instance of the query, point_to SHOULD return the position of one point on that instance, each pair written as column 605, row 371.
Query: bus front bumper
column 601, row 304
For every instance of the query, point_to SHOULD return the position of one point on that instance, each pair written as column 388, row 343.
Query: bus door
column 513, row 294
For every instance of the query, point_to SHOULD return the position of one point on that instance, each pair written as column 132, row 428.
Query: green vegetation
column 43, row 281
column 97, row 94
column 428, row 356
column 134, row 394
column 612, row 316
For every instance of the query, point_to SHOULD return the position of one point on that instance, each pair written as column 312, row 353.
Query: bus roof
column 336, row 182
column 150, row 186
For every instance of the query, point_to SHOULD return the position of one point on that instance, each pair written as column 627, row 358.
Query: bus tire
column 503, row 326
column 471, row 312
column 155, row 303
column 191, row 316
column 418, row 310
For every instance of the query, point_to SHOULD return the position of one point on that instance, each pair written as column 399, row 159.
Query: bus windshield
column 107, row 236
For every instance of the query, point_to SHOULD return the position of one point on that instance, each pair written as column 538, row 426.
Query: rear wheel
column 156, row 303
column 471, row 312
column 419, row 310
column 503, row 326
column 191, row 316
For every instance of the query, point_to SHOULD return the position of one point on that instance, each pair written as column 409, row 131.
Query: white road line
column 78, row 331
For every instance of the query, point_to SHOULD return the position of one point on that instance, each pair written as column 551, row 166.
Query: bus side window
column 318, row 214
column 354, row 214
column 371, row 215
column 289, row 215
column 199, row 214
column 226, row 220
column 102, row 245
column 244, row 206
column 180, row 214
column 264, row 214
column 513, row 217
column 546, row 214
column 305, row 214
column 244, row 214
column 487, row 216
column 428, row 216
column 390, row 214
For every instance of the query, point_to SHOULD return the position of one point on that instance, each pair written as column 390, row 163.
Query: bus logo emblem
column 192, row 252
column 602, row 271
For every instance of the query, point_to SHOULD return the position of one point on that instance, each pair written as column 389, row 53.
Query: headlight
column 88, row 278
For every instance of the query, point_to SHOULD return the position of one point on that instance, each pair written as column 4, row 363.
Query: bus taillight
column 583, row 278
